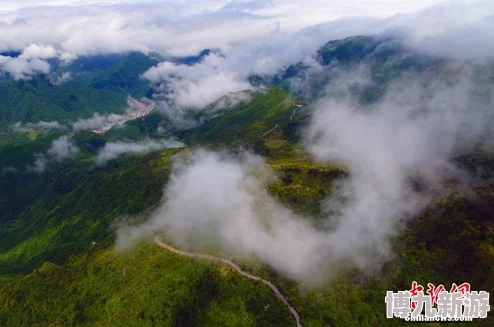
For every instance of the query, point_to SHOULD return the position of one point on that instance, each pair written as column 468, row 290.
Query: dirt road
column 227, row 262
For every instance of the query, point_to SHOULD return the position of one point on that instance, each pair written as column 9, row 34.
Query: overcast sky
column 183, row 27
column 319, row 10
column 287, row 30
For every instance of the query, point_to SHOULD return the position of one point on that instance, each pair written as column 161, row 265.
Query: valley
column 129, row 116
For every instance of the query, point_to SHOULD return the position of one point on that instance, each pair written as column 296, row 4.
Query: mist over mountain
column 391, row 117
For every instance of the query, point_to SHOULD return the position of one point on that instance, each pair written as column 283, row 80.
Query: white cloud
column 98, row 121
column 39, row 165
column 218, row 199
column 408, row 137
column 197, row 86
column 35, row 51
column 230, row 100
column 175, row 28
column 466, row 36
column 60, row 79
column 20, row 68
column 95, row 122
column 43, row 125
column 68, row 29
column 112, row 150
column 62, row 148
column 399, row 155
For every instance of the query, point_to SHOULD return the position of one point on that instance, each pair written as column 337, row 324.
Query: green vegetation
column 353, row 48
column 97, row 85
column 147, row 287
column 99, row 286
column 64, row 211
column 244, row 123
column 52, row 274
column 153, row 286
column 451, row 242
column 125, row 76
column 303, row 185
column 19, row 149
column 50, row 227
column 384, row 59
column 145, row 127
column 38, row 99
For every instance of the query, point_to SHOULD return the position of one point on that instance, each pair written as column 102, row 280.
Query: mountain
column 125, row 75
column 387, row 59
column 38, row 99
column 59, row 264
column 99, row 84
column 193, row 60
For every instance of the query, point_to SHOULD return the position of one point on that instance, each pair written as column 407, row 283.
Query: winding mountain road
column 293, row 114
column 260, row 137
column 227, row 262
column 298, row 106
column 270, row 131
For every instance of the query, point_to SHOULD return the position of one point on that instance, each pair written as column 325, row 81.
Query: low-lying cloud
column 60, row 79
column 60, row 149
column 230, row 69
column 20, row 68
column 97, row 121
column 399, row 155
column 230, row 100
column 199, row 85
column 112, row 150
column 220, row 199
column 167, row 26
column 41, row 125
